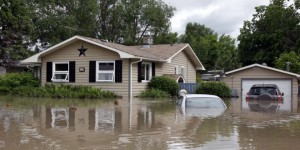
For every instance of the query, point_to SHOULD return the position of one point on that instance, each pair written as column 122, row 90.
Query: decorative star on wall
column 82, row 51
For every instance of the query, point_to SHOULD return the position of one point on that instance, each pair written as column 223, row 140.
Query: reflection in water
column 272, row 107
column 59, row 117
column 268, row 105
column 39, row 124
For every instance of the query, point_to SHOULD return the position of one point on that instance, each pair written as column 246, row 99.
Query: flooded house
column 125, row 70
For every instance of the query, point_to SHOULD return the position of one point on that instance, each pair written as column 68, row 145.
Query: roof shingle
column 159, row 52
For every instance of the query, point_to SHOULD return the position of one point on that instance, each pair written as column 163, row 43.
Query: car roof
column 201, row 95
column 264, row 85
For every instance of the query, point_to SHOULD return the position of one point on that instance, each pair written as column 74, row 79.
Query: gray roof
column 156, row 52
column 161, row 52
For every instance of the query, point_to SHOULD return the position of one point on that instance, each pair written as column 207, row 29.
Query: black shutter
column 49, row 72
column 153, row 69
column 92, row 75
column 72, row 71
column 118, row 71
column 140, row 72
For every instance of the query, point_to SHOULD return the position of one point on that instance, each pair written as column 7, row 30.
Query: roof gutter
column 130, row 78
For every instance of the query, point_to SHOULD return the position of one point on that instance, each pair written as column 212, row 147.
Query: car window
column 204, row 102
column 261, row 90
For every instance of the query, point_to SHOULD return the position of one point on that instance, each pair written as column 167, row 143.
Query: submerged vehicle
column 264, row 97
column 202, row 105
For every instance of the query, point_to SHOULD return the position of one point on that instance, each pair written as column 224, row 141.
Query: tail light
column 247, row 97
column 279, row 98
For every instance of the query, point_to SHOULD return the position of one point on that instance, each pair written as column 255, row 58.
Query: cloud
column 223, row 16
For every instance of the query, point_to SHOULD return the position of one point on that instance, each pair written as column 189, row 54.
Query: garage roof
column 262, row 66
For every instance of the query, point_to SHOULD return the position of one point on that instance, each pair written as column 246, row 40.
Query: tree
column 273, row 30
column 110, row 20
column 131, row 19
column 15, row 30
column 124, row 21
column 165, row 38
column 57, row 20
column 288, row 61
column 228, row 53
column 203, row 40
column 214, row 52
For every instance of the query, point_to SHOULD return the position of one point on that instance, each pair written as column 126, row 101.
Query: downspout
column 130, row 77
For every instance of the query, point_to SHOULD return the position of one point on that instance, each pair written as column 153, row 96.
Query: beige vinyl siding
column 181, row 59
column 137, row 87
column 96, row 53
column 93, row 53
column 234, row 80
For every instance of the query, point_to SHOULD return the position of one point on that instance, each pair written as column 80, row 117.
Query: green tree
column 110, row 20
column 228, row 53
column 288, row 61
column 131, row 19
column 165, row 38
column 273, row 30
column 214, row 52
column 15, row 30
column 203, row 40
column 57, row 20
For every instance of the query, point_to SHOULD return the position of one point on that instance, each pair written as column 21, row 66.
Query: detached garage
column 242, row 79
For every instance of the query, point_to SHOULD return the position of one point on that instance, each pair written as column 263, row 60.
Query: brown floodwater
column 58, row 124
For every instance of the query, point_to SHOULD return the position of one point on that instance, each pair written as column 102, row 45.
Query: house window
column 60, row 72
column 146, row 72
column 183, row 71
column 105, row 71
column 176, row 69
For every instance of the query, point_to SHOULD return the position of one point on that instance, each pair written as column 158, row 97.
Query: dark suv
column 264, row 97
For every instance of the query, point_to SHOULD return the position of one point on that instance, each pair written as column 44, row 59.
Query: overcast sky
column 223, row 16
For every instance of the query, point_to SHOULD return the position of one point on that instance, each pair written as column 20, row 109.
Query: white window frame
column 183, row 71
column 105, row 71
column 150, row 71
column 54, row 72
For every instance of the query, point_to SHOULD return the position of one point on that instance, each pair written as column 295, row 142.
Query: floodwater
column 56, row 124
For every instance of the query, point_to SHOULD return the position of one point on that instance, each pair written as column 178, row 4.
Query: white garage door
column 285, row 86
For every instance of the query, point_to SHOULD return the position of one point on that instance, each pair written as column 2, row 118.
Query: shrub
column 57, row 91
column 12, row 80
column 214, row 88
column 76, row 91
column 24, row 84
column 154, row 93
column 165, row 84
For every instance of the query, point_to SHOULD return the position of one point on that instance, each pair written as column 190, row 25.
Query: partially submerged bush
column 24, row 84
column 12, row 80
column 165, row 84
column 154, row 93
column 63, row 91
column 214, row 88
